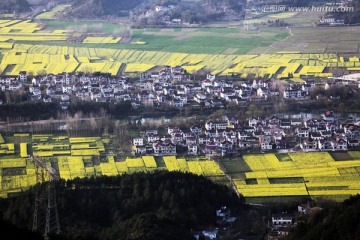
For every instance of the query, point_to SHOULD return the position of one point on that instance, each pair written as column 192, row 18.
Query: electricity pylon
column 46, row 217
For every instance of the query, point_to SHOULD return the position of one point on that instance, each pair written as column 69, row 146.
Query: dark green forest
column 98, row 8
column 352, row 17
column 159, row 205
column 42, row 111
column 11, row 6
column 334, row 223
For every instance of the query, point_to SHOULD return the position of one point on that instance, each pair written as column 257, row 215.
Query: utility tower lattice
column 247, row 25
column 46, row 217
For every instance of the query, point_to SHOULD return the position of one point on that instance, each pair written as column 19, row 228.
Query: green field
column 106, row 28
column 186, row 40
column 306, row 37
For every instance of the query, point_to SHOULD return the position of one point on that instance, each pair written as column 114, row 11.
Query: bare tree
column 278, row 85
column 93, row 124
column 122, row 138
column 7, row 97
column 41, row 72
column 87, row 70
column 126, row 32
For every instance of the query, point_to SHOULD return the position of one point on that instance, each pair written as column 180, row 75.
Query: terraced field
column 299, row 174
column 81, row 157
column 56, row 59
column 33, row 47
column 51, row 14
column 316, row 174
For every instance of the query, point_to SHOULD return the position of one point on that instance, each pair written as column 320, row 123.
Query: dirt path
column 272, row 45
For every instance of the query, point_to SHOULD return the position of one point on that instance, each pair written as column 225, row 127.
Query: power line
column 46, row 217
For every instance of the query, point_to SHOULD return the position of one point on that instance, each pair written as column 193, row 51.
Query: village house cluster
column 228, row 135
column 171, row 86
column 166, row 14
column 174, row 87
column 224, row 223
column 282, row 223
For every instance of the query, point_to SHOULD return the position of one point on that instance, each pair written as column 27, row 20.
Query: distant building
column 23, row 76
column 210, row 232
column 282, row 219
column 328, row 116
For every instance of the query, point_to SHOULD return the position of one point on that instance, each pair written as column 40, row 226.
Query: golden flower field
column 267, row 175
column 300, row 174
column 81, row 157
column 29, row 46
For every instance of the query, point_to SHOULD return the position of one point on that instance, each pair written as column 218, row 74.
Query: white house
column 210, row 233
column 138, row 141
column 192, row 149
column 200, row 98
column 140, row 149
column 293, row 93
column 196, row 129
column 282, row 219
column 22, row 76
column 302, row 132
column 161, row 148
column 153, row 138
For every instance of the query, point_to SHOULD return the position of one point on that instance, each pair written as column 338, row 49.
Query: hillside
column 99, row 8
column 10, row 231
column 333, row 223
column 352, row 17
column 11, row 6
column 159, row 205
column 231, row 4
column 45, row 2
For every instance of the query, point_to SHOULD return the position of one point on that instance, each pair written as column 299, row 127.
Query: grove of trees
column 158, row 205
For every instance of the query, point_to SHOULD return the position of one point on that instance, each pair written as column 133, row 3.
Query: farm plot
column 193, row 49
column 28, row 31
column 82, row 157
column 300, row 174
column 102, row 40
column 51, row 14
column 56, row 59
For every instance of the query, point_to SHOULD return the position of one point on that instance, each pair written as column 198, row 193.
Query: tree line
column 158, row 205
column 336, row 222
column 40, row 110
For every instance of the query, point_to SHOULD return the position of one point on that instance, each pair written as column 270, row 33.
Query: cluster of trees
column 352, row 17
column 101, row 8
column 235, row 5
column 158, row 205
column 340, row 98
column 17, row 96
column 10, row 231
column 116, row 110
column 42, row 111
column 11, row 6
column 195, row 12
column 28, row 111
column 46, row 2
column 278, row 23
column 337, row 222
